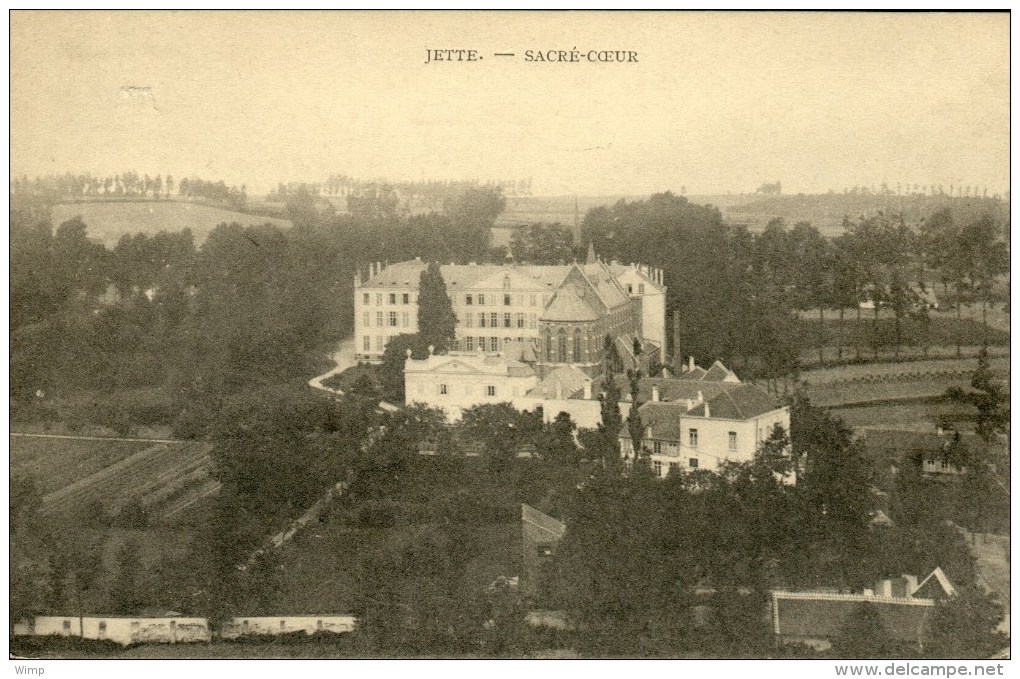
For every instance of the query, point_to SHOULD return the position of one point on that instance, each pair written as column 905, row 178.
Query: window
column 483, row 344
column 469, row 343
column 102, row 629
column 506, row 285
column 641, row 288
column 404, row 319
column 406, row 298
column 481, row 320
column 630, row 288
column 380, row 342
column 365, row 299
column 520, row 320
column 469, row 320
column 506, row 300
column 481, row 300
column 507, row 323
column 658, row 468
column 67, row 625
column 366, row 343
column 562, row 346
column 490, row 390
column 531, row 320
column 493, row 320
column 378, row 299
column 467, row 300
column 379, row 319
column 532, row 299
column 657, row 447
column 443, row 389
column 693, row 437
column 494, row 343
column 548, row 346
column 393, row 298
column 393, row 319
column 674, row 467
column 577, row 345
column 692, row 463
column 733, row 440
column 366, row 319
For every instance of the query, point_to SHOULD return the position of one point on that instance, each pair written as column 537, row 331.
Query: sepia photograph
column 502, row 335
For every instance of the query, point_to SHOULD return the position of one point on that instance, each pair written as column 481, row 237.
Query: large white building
column 563, row 312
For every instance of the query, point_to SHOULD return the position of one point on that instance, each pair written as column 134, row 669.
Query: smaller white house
column 459, row 380
column 703, row 424
column 123, row 630
column 287, row 624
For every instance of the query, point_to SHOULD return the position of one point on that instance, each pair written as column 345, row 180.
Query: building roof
column 935, row 586
column 661, row 421
column 821, row 615
column 719, row 373
column 695, row 373
column 402, row 274
column 570, row 303
column 620, row 269
column 467, row 363
column 741, row 402
column 569, row 379
column 543, row 521
column 605, row 284
column 726, row 400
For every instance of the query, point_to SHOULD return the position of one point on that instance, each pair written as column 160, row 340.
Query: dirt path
column 343, row 358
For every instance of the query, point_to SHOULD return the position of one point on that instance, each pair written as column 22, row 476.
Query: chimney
column 587, row 390
column 678, row 359
column 655, row 393
column 378, row 268
column 431, row 349
column 701, row 397
column 690, row 363
column 707, row 412
column 885, row 588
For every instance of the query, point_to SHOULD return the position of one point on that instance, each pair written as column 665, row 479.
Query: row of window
column 640, row 288
column 391, row 298
column 493, row 320
column 380, row 342
column 490, row 389
column 658, row 467
column 486, row 343
column 481, row 299
column 557, row 353
column 692, row 441
column 386, row 320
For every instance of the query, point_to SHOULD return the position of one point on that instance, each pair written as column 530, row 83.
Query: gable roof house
column 816, row 618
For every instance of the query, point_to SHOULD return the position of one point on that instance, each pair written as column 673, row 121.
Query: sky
column 716, row 102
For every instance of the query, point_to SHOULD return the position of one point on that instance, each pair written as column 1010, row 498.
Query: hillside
column 108, row 221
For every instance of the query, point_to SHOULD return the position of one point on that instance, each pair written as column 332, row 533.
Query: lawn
column 55, row 463
column 108, row 221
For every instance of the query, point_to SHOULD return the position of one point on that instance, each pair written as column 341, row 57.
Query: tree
column 988, row 398
column 391, row 372
column 126, row 593
column 437, row 324
column 500, row 429
column 542, row 244
column 472, row 216
column 965, row 626
column 986, row 258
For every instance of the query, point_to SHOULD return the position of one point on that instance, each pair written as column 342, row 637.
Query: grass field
column 169, row 479
column 920, row 415
column 107, row 222
column 56, row 463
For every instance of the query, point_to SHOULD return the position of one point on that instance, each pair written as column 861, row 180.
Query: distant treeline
column 130, row 184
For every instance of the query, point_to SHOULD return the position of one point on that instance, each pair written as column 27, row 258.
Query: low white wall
column 309, row 624
column 123, row 630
